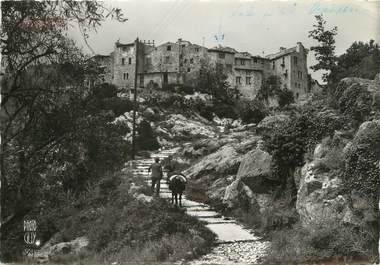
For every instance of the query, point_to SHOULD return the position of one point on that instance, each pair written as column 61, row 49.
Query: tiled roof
column 281, row 53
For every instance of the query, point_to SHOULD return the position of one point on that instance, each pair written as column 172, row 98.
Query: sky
column 260, row 27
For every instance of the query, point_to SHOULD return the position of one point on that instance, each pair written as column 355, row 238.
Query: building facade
column 178, row 63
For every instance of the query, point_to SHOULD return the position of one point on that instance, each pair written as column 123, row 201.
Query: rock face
column 254, row 170
column 180, row 126
column 251, row 185
column 319, row 199
column 224, row 161
column 49, row 251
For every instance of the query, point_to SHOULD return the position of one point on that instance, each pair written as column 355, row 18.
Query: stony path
column 235, row 244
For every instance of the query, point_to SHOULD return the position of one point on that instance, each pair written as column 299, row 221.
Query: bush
column 251, row 111
column 146, row 140
column 299, row 244
column 285, row 97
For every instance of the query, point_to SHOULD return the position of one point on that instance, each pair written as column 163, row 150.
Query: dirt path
column 235, row 244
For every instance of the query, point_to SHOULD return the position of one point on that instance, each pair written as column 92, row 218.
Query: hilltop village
column 178, row 63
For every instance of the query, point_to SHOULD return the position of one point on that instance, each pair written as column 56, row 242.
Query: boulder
column 50, row 251
column 223, row 162
column 320, row 198
column 237, row 194
column 218, row 188
column 255, row 171
column 144, row 198
column 183, row 127
column 149, row 114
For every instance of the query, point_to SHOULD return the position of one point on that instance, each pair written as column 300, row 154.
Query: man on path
column 156, row 176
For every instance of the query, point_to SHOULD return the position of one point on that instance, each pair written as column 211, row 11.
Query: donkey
column 177, row 184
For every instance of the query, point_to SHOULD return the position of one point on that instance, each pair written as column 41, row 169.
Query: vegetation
column 212, row 79
column 325, row 51
column 272, row 88
column 360, row 60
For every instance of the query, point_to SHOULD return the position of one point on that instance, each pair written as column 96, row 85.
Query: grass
column 322, row 242
column 122, row 229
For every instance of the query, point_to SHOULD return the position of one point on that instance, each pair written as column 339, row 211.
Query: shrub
column 146, row 139
column 251, row 111
column 300, row 244
column 285, row 97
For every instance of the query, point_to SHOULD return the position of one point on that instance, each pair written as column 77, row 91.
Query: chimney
column 299, row 47
column 282, row 49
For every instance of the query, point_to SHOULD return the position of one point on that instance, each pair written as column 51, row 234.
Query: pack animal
column 177, row 185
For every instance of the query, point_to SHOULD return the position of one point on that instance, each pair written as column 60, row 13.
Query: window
column 295, row 60
column 229, row 67
column 188, row 69
column 242, row 62
column 248, row 80
column 197, row 49
column 273, row 65
column 169, row 48
column 183, row 46
column 238, row 80
column 122, row 61
column 299, row 74
column 255, row 60
column 141, row 80
column 125, row 76
column 222, row 55
column 185, row 61
column 167, row 59
column 129, row 60
column 191, row 60
column 247, row 72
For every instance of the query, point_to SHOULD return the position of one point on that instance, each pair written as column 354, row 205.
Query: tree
column 360, row 60
column 325, row 51
column 212, row 79
column 272, row 88
column 52, row 137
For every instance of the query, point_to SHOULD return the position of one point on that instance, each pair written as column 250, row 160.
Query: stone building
column 291, row 66
column 178, row 63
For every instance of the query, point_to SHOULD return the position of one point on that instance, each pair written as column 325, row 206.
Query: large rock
column 50, row 251
column 222, row 162
column 255, row 171
column 183, row 127
column 319, row 198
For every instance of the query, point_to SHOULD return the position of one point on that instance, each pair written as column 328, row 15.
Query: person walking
column 156, row 175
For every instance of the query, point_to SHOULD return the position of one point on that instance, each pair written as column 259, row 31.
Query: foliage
column 360, row 60
column 251, row 111
column 325, row 51
column 362, row 172
column 212, row 79
column 121, row 227
column 353, row 100
column 54, row 141
column 272, row 88
column 285, row 97
column 323, row 242
column 146, row 139
column 289, row 143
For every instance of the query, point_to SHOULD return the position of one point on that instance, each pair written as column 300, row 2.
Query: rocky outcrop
column 50, row 251
column 319, row 198
column 255, row 171
column 224, row 161
column 177, row 125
